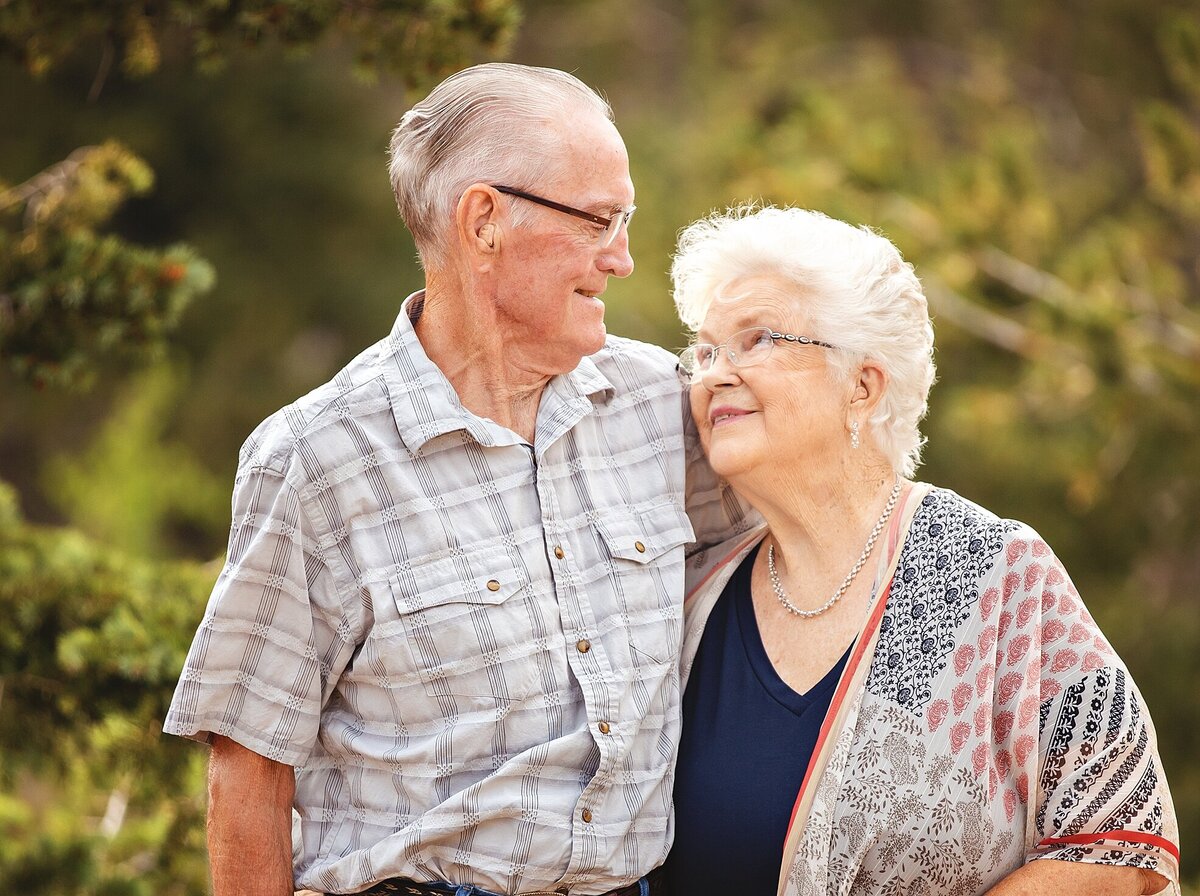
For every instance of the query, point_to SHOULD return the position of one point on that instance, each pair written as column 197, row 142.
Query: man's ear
column 477, row 223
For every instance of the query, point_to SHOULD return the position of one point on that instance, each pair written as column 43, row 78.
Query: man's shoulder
column 645, row 356
column 273, row 443
column 623, row 359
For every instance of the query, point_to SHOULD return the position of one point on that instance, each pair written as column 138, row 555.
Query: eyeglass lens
column 619, row 219
column 744, row 348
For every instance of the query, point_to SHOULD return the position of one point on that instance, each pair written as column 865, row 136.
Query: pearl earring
column 854, row 443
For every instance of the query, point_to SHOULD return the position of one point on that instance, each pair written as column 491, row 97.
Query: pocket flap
column 480, row 578
column 642, row 534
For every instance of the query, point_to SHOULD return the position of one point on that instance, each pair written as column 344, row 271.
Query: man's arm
column 716, row 511
column 249, row 822
column 1051, row 877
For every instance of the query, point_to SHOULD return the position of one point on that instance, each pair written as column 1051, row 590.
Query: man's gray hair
column 850, row 282
column 491, row 124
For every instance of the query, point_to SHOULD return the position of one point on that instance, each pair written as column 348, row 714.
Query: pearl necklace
column 858, row 565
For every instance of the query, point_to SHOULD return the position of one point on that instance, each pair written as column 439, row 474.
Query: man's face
column 554, row 266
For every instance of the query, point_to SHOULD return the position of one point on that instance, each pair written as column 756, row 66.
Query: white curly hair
column 851, row 283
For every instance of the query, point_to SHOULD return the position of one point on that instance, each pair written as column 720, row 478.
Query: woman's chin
column 727, row 462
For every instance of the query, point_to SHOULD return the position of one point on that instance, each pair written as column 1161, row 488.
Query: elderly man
column 442, row 654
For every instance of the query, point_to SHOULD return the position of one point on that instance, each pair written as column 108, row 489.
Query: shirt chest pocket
column 643, row 565
column 466, row 623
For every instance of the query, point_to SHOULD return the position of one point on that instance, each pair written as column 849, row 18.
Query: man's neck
column 491, row 374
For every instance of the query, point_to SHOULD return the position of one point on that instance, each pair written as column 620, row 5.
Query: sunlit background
column 232, row 242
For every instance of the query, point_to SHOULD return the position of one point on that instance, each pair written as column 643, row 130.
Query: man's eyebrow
column 606, row 207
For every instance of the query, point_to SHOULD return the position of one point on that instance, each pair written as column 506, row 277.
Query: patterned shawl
column 982, row 720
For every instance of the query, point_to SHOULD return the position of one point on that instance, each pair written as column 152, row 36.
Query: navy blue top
column 747, row 740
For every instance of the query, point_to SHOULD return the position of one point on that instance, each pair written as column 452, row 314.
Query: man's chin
column 584, row 344
column 598, row 341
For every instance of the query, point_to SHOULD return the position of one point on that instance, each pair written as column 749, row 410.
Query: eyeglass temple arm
column 557, row 206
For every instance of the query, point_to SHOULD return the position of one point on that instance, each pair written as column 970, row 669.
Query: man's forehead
column 594, row 181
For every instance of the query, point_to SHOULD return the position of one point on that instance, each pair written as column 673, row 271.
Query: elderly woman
column 889, row 690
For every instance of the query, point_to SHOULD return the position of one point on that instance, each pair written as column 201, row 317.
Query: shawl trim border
column 1118, row 836
column 735, row 554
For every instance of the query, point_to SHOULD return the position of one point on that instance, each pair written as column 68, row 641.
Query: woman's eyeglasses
column 744, row 348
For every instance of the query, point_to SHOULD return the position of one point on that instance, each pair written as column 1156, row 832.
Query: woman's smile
column 725, row 415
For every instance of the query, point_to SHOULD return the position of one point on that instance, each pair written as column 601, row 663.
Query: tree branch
column 1000, row 331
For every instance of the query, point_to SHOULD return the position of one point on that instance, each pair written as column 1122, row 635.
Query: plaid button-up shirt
column 466, row 645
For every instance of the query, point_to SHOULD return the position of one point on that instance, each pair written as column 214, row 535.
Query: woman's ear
column 869, row 384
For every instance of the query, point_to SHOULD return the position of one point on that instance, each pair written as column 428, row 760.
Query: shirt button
column 493, row 585
column 586, row 815
column 604, row 728
column 558, row 552
column 641, row 548
column 583, row 645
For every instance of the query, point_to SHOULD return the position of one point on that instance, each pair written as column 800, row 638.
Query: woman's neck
column 820, row 523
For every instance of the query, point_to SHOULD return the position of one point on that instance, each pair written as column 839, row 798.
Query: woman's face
column 787, row 411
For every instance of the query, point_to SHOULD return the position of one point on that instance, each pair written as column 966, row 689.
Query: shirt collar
column 426, row 406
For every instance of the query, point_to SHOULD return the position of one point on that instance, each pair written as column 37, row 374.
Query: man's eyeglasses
column 612, row 226
column 744, row 348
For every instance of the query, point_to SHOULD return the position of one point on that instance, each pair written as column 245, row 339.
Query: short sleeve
column 1103, row 796
column 275, row 634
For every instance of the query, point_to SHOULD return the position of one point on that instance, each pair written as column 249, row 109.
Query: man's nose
column 615, row 259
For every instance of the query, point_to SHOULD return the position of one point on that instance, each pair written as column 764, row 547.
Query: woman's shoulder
column 953, row 544
column 944, row 512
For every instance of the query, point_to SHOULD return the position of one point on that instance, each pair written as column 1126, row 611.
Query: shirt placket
column 587, row 656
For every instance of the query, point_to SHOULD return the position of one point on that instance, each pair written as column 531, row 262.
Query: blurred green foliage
column 402, row 37
column 1039, row 164
column 71, row 296
column 92, row 799
column 132, row 486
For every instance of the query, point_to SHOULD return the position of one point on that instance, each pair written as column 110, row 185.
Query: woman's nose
column 720, row 370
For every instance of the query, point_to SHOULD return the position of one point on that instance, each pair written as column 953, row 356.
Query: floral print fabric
column 994, row 725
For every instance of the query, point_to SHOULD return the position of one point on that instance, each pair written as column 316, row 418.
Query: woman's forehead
column 753, row 302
